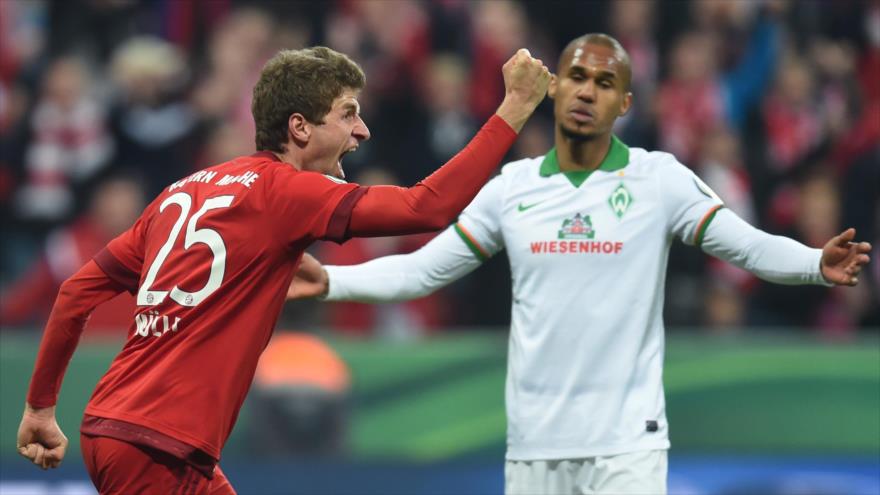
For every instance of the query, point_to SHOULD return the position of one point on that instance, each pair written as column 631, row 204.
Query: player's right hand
column 526, row 77
column 309, row 280
column 40, row 439
column 525, row 81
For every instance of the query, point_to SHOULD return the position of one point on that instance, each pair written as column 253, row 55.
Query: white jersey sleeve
column 771, row 257
column 479, row 225
column 440, row 262
column 689, row 203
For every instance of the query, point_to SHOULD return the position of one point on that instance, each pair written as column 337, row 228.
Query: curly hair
column 299, row 81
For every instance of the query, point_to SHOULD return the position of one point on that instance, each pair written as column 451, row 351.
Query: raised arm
column 434, row 202
column 782, row 260
column 39, row 437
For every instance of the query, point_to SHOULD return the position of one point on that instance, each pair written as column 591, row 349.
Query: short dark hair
column 299, row 81
column 600, row 39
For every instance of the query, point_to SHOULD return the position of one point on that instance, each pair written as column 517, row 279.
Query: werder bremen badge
column 620, row 200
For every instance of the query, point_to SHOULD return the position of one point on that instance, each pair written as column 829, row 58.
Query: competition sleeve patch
column 337, row 227
column 117, row 271
column 475, row 247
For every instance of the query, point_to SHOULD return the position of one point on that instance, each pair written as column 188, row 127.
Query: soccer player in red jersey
column 210, row 260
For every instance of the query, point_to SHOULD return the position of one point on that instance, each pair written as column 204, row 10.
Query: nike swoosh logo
column 522, row 207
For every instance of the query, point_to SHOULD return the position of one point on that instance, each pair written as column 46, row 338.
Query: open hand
column 310, row 279
column 843, row 259
column 40, row 439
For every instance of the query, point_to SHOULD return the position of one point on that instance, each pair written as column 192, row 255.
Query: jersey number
column 209, row 237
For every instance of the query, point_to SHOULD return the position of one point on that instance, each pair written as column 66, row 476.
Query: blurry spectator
column 154, row 127
column 690, row 100
column 792, row 116
column 397, row 321
column 69, row 143
column 499, row 29
column 721, row 166
column 223, row 143
column 237, row 50
column 448, row 121
column 115, row 205
column 698, row 96
column 22, row 37
column 633, row 24
column 299, row 398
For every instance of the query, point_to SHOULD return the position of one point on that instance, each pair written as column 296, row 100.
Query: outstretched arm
column 393, row 278
column 782, row 260
column 435, row 202
column 39, row 437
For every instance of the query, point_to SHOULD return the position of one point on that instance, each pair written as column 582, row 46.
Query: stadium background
column 775, row 104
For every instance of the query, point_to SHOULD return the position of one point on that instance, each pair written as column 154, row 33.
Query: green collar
column 616, row 159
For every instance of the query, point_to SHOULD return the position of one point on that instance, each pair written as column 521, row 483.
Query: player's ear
column 551, row 89
column 626, row 104
column 299, row 128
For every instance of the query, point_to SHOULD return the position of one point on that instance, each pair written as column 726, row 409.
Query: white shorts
column 642, row 473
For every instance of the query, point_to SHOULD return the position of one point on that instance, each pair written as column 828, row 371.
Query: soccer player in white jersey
column 587, row 228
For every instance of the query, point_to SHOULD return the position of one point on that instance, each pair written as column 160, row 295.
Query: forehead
column 348, row 97
column 592, row 57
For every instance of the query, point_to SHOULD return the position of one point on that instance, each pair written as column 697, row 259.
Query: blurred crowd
column 775, row 104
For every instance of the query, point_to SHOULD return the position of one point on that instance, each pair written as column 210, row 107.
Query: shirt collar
column 616, row 159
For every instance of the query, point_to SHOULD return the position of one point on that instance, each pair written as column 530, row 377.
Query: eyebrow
column 600, row 73
column 350, row 106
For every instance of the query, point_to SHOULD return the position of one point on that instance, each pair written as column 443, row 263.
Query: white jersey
column 588, row 255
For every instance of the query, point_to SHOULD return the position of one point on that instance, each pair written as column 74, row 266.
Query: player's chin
column 581, row 132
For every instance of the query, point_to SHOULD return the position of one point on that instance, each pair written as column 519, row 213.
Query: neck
column 293, row 156
column 581, row 154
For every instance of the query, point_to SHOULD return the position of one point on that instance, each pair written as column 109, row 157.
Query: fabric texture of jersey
column 209, row 261
column 588, row 255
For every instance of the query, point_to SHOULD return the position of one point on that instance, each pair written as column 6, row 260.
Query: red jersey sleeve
column 318, row 207
column 78, row 296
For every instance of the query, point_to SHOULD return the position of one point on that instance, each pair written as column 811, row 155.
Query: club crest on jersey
column 620, row 200
column 578, row 227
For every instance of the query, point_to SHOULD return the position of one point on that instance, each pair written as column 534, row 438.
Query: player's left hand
column 842, row 259
column 40, row 439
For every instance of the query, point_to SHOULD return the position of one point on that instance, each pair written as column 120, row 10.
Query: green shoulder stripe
column 704, row 225
column 471, row 243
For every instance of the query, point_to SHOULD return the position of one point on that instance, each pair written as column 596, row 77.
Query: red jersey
column 209, row 262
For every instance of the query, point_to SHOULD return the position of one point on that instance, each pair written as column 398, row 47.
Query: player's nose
column 360, row 131
column 587, row 91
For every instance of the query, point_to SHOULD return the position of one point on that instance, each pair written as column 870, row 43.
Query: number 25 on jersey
column 146, row 295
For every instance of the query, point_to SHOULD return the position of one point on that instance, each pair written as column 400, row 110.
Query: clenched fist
column 39, row 437
column 525, row 81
